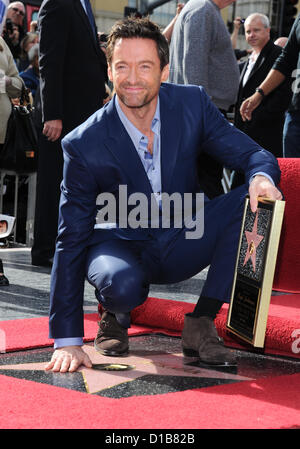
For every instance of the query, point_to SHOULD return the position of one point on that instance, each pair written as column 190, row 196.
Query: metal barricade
column 31, row 178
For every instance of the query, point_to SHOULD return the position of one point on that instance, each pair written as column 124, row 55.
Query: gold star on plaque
column 253, row 240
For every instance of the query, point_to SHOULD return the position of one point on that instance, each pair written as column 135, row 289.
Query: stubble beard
column 144, row 101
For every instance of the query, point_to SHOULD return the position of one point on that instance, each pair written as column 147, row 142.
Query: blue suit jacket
column 99, row 156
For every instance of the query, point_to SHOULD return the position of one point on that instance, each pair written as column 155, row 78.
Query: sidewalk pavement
column 27, row 296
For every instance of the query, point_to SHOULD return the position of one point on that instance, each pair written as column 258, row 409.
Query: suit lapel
column 260, row 60
column 243, row 72
column 171, row 124
column 85, row 20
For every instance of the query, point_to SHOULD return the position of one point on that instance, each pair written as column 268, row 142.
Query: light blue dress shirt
column 151, row 163
column 83, row 5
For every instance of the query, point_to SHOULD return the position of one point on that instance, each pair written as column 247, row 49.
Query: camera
column 9, row 26
column 103, row 37
column 242, row 20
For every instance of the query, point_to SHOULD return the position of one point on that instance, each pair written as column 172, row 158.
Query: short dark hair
column 132, row 27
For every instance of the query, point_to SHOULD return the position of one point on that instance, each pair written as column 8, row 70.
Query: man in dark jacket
column 286, row 65
column 266, row 124
column 73, row 72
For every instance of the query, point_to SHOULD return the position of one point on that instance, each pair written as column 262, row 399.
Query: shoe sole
column 218, row 365
column 195, row 354
column 112, row 353
column 190, row 352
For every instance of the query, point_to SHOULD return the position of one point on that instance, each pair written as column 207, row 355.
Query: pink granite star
column 141, row 363
column 253, row 240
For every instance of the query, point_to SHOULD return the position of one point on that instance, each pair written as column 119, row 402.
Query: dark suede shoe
column 3, row 280
column 112, row 338
column 200, row 339
column 42, row 262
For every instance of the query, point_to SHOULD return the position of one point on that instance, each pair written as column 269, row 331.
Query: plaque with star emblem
column 254, row 272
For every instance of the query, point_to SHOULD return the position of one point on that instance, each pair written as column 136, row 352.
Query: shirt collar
column 133, row 132
column 83, row 4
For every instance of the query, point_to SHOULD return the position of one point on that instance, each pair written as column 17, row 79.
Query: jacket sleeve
column 287, row 60
column 76, row 224
column 14, row 89
column 230, row 146
column 54, row 25
column 277, row 102
column 196, row 57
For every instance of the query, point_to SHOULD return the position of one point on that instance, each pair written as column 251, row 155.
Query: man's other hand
column 68, row 358
column 52, row 129
column 248, row 106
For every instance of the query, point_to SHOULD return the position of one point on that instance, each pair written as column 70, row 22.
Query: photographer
column 239, row 54
column 13, row 30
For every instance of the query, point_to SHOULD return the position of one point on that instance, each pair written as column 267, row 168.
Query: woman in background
column 10, row 87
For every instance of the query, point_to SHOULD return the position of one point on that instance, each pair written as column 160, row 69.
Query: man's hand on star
column 68, row 358
column 261, row 186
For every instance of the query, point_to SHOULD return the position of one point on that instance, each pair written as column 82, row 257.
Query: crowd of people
column 174, row 86
column 21, row 42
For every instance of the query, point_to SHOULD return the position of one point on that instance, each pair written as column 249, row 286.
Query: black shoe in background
column 3, row 280
column 40, row 262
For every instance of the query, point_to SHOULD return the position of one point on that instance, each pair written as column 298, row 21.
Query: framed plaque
column 254, row 271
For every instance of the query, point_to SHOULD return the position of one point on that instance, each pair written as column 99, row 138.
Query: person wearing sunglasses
column 13, row 29
column 16, row 12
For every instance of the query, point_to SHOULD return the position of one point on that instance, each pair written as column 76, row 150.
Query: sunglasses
column 19, row 11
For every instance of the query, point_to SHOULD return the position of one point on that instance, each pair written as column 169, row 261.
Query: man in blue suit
column 141, row 148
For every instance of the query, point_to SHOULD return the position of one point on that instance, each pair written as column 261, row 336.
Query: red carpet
column 265, row 403
column 287, row 277
column 271, row 403
column 166, row 316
